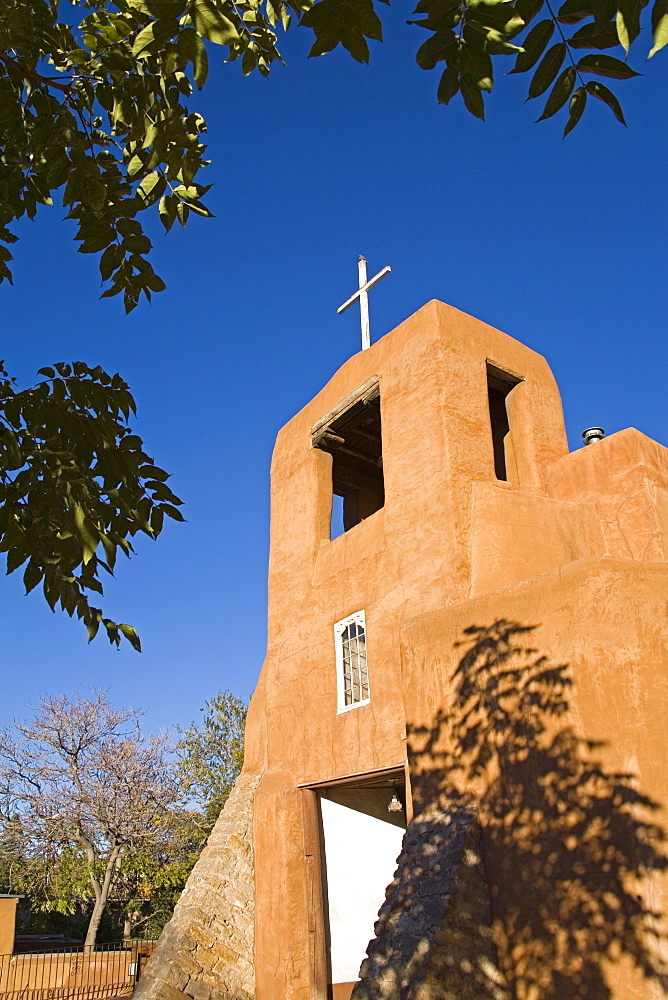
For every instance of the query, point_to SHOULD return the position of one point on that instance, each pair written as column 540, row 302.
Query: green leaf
column 144, row 38
column 548, row 68
column 606, row 66
column 167, row 210
column 113, row 634
column 595, row 36
column 87, row 536
column 436, row 49
column 174, row 512
column 534, row 45
column 182, row 213
column 131, row 635
column 573, row 11
column 192, row 47
column 94, row 192
column 211, row 22
column 109, row 551
column 345, row 22
column 660, row 36
column 100, row 238
column 136, row 244
column 128, row 227
column 110, row 260
column 153, row 184
column 497, row 21
column 155, row 35
column 199, row 209
column 560, row 93
column 92, row 627
column 154, row 282
column 151, row 135
column 16, row 556
column 448, row 85
column 576, row 108
column 659, row 26
column 473, row 99
column 528, row 9
column 153, row 472
column 157, row 517
column 57, row 526
column 162, row 8
column 32, row 576
column 602, row 93
column 628, row 21
column 513, row 26
column 476, row 67
column 135, row 165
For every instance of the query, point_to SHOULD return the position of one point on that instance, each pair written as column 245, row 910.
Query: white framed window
column 352, row 672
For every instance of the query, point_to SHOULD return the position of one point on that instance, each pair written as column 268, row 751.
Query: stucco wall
column 8, row 906
column 546, row 702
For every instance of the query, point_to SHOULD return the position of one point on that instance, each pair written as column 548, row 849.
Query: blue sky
column 560, row 243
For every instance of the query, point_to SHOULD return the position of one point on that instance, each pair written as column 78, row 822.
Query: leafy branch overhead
column 98, row 107
column 75, row 487
column 466, row 37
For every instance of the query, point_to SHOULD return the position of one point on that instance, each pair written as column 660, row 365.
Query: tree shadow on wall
column 571, row 849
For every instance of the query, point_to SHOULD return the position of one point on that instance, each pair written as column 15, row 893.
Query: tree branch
column 66, row 88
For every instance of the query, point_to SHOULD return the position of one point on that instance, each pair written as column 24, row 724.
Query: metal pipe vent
column 593, row 434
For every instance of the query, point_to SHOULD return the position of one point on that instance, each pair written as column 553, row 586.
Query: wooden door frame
column 316, row 870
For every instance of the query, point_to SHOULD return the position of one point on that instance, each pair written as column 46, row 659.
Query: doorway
column 363, row 823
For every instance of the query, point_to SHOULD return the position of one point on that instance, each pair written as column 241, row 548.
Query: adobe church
column 455, row 779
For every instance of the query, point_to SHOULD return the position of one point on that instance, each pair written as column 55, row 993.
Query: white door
column 360, row 854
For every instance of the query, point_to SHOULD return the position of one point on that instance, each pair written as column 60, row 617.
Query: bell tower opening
column 500, row 384
column 351, row 434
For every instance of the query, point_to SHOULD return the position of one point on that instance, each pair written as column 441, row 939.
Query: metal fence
column 110, row 970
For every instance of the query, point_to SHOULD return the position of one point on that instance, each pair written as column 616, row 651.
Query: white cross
column 362, row 294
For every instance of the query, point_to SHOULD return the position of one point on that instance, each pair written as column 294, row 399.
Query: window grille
column 351, row 661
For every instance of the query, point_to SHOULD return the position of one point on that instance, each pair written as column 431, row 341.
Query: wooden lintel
column 366, row 392
column 381, row 777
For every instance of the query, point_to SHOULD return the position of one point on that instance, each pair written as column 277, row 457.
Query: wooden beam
column 366, row 392
column 313, row 859
column 337, row 444
column 380, row 778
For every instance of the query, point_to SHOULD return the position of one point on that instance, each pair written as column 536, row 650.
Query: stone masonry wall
column 205, row 951
column 434, row 938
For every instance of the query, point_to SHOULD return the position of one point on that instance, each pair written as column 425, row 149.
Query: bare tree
column 87, row 785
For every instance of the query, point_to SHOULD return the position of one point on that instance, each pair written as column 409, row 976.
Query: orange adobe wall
column 571, row 545
column 8, row 905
